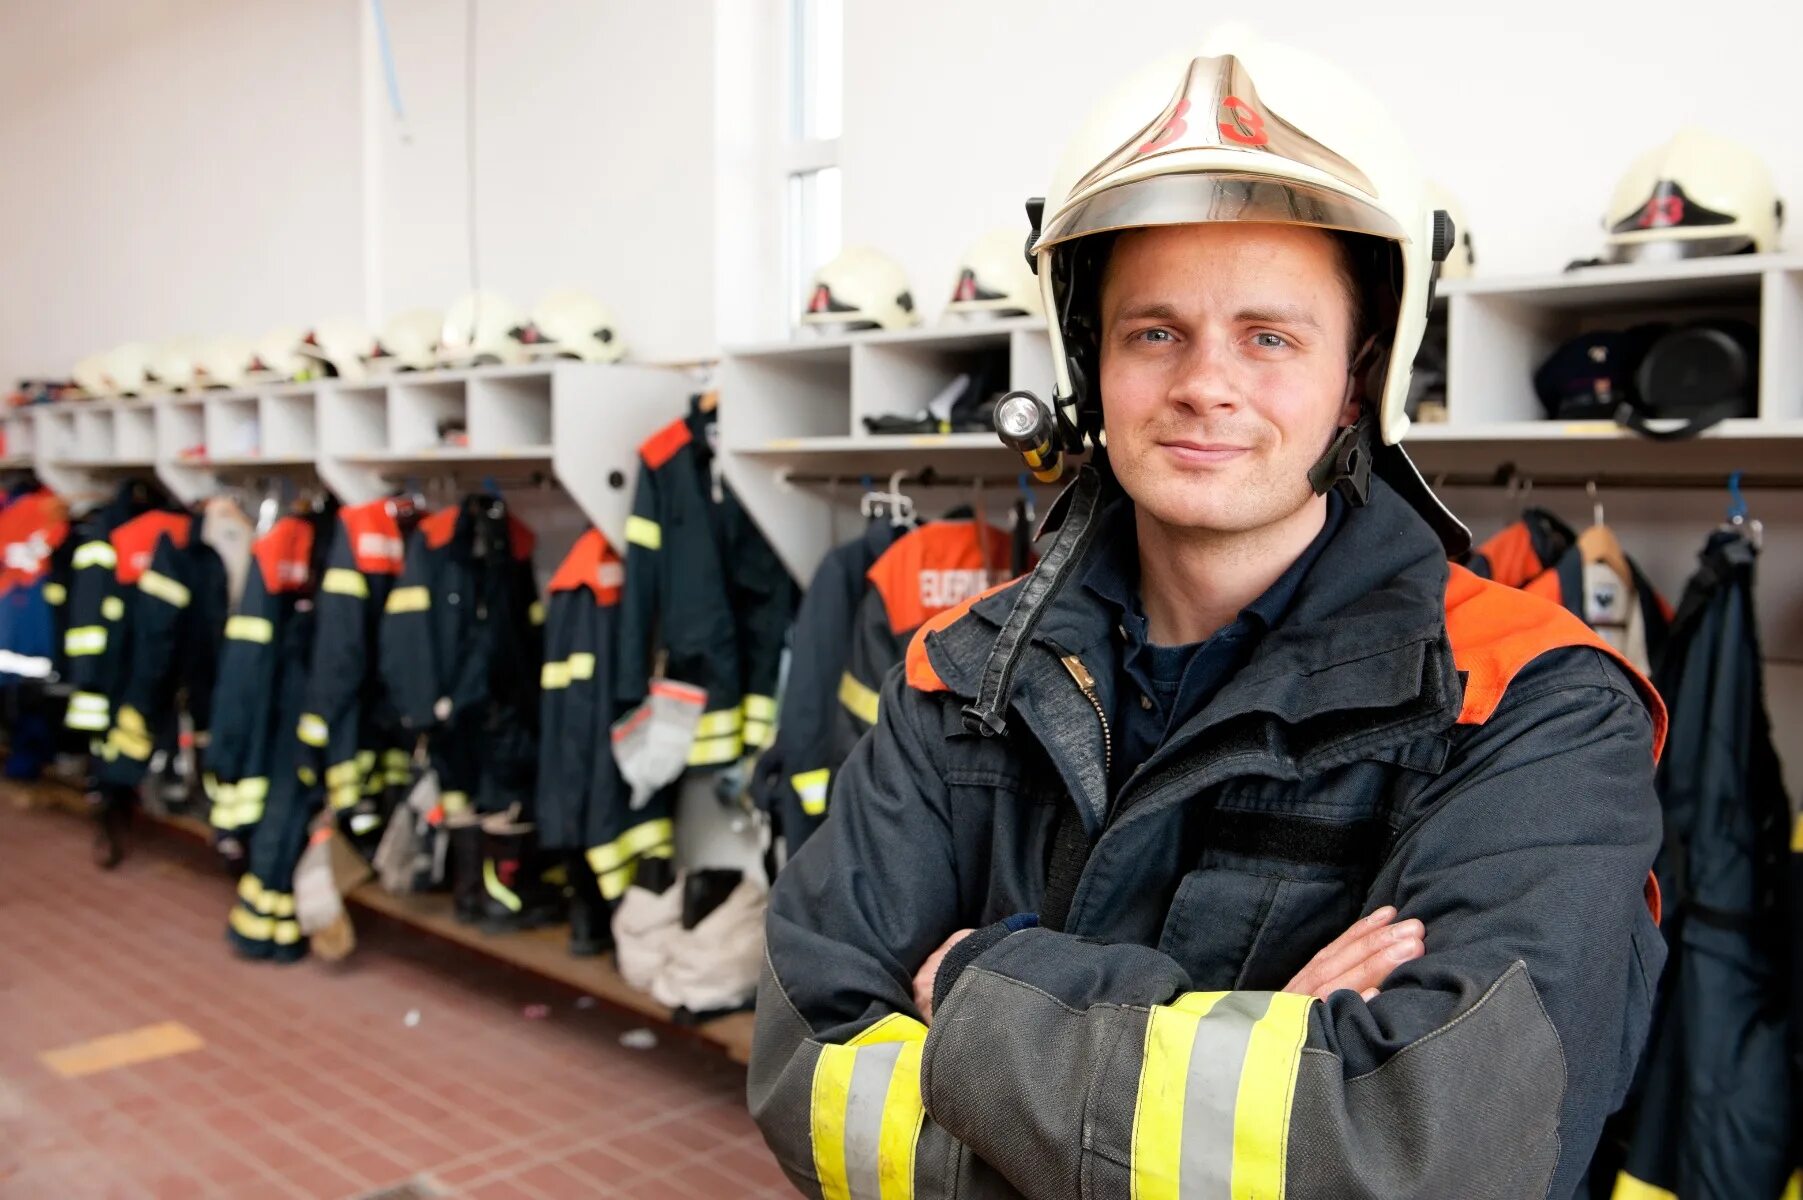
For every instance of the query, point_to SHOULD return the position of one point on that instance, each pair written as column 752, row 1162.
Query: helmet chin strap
column 1346, row 465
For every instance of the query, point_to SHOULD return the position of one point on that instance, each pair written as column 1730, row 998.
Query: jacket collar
column 1360, row 664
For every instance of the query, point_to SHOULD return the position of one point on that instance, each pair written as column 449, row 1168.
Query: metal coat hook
column 1737, row 501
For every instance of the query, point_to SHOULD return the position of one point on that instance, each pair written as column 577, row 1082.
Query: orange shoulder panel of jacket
column 592, row 564
column 1511, row 554
column 936, row 567
column 1545, row 585
column 920, row 673
column 285, row 555
column 520, row 539
column 1497, row 630
column 135, row 541
column 375, row 537
column 662, row 446
column 438, row 528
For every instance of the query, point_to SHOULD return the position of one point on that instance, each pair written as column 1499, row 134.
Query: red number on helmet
column 1173, row 129
column 1661, row 212
column 1240, row 122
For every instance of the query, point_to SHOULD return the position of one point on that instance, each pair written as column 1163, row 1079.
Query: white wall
column 956, row 112
column 173, row 167
column 594, row 161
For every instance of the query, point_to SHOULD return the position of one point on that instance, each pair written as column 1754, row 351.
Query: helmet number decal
column 1662, row 211
column 1240, row 122
column 1172, row 129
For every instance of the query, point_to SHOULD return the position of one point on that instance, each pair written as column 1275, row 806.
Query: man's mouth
column 1202, row 453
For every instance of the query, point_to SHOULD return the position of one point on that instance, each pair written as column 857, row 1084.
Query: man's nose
column 1207, row 376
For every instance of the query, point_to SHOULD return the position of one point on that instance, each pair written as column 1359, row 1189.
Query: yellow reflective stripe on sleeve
column 341, row 798
column 112, row 608
column 155, row 583
column 135, row 746
column 536, row 614
column 709, row 752
column 342, row 774
column 56, row 593
column 554, row 675
column 646, row 533
column 1629, row 1188
column 811, row 787
column 342, row 581
column 454, row 803
column 1157, row 1154
column 95, row 554
column 582, row 666
column 491, row 882
column 130, row 719
column 89, row 711
column 613, row 884
column 408, row 599
column 313, row 730
column 758, row 735
column 638, row 840
column 250, row 629
column 1261, row 1118
column 719, row 723
column 1794, row 1189
column 867, row 1114
column 247, row 924
column 225, row 811
column 759, row 708
column 858, row 700
column 84, row 640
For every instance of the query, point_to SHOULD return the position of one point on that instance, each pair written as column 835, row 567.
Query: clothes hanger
column 1598, row 544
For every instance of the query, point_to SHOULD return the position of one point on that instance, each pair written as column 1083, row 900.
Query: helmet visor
column 1203, row 196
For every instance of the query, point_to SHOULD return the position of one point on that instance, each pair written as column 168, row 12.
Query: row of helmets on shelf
column 1697, row 195
column 480, row 329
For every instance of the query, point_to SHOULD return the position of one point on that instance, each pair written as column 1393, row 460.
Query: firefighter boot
column 466, row 872
column 112, row 805
column 516, row 894
column 591, row 930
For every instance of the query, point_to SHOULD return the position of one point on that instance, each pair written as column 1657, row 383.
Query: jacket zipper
column 1087, row 683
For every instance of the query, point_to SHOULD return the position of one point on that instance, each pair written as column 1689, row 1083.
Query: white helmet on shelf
column 222, row 363
column 994, row 279
column 1461, row 260
column 1696, row 196
column 275, row 357
column 478, row 330
column 90, row 376
column 571, row 324
column 1243, row 129
column 860, row 289
column 409, row 342
column 124, row 370
column 170, row 367
column 334, row 347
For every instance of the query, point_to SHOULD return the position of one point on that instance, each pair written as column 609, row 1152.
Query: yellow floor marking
column 122, row 1049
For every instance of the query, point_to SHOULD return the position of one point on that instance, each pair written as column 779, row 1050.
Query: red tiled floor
column 310, row 1084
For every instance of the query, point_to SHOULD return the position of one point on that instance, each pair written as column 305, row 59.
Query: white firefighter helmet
column 124, row 370
column 90, row 376
column 862, row 288
column 478, row 330
column 334, row 347
column 1247, row 130
column 1461, row 260
column 994, row 279
column 222, row 363
column 571, row 324
column 409, row 342
column 274, row 358
column 1697, row 195
column 170, row 367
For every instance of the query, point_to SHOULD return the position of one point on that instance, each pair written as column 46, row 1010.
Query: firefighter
column 1074, row 923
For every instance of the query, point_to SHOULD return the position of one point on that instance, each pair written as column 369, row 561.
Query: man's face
column 1224, row 369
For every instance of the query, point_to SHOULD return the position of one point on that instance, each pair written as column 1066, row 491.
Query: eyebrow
column 1270, row 314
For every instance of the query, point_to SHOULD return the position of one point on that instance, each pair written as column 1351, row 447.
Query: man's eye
column 1271, row 341
column 1156, row 336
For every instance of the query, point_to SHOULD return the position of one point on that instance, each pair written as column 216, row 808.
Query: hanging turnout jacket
column 263, row 673
column 934, row 568
column 92, row 610
column 353, row 737
column 1408, row 735
column 33, row 528
column 461, row 649
column 1716, row 1113
column 173, row 592
column 704, row 591
column 794, row 775
column 1629, row 614
column 1522, row 549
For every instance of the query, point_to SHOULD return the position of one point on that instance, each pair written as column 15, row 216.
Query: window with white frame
column 810, row 159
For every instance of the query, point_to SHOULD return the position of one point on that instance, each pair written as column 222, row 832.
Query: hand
column 1362, row 957
column 929, row 970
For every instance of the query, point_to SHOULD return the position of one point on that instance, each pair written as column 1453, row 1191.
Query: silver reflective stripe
column 1213, row 1093
column 20, row 664
column 864, row 1117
